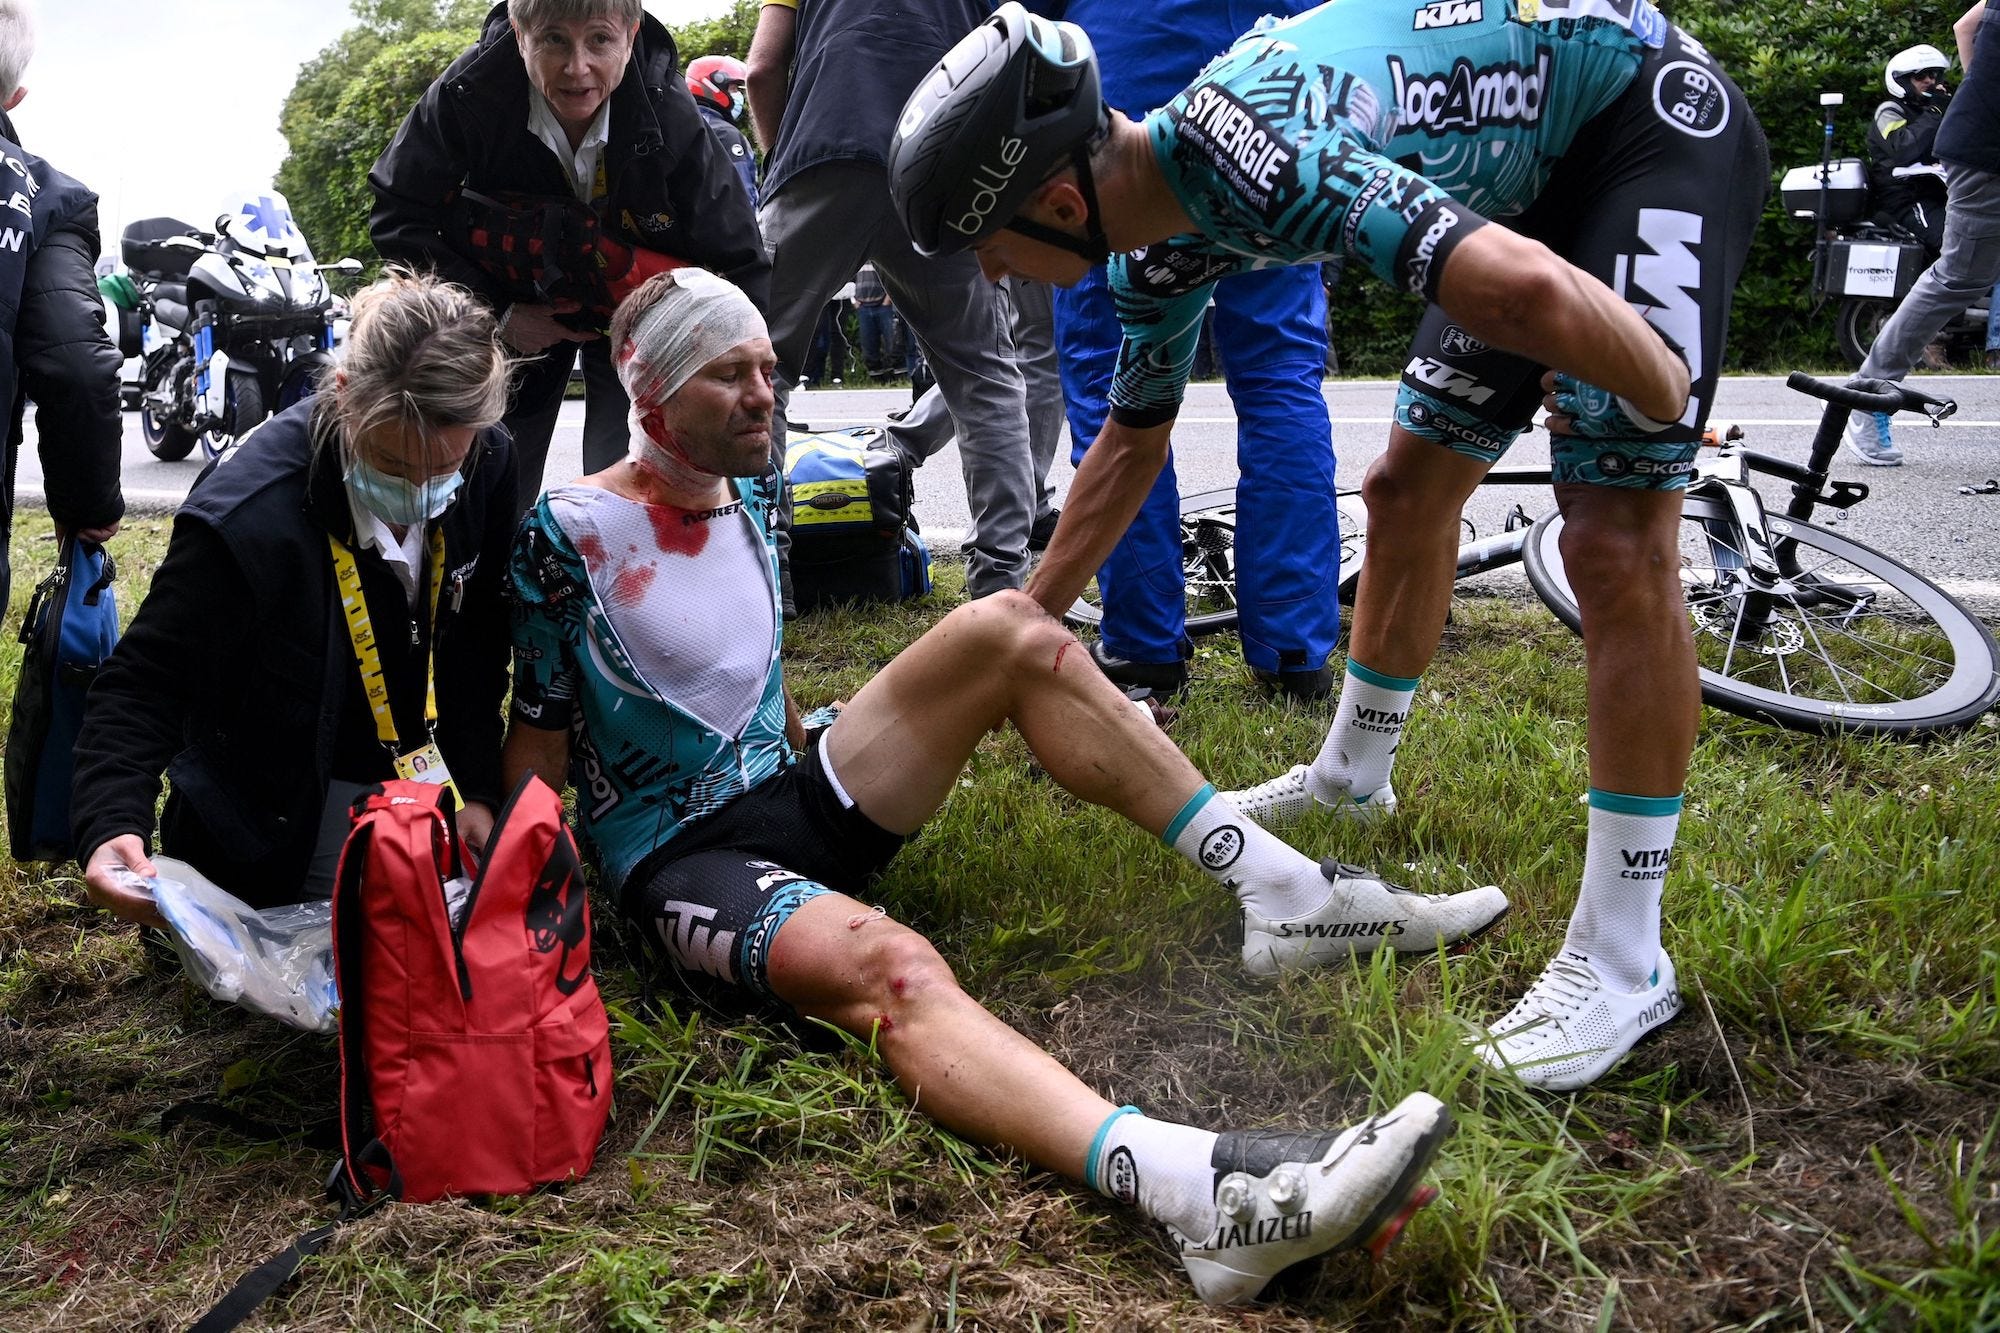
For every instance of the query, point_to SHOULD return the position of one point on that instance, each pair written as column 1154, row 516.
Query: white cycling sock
column 1617, row 921
column 1273, row 880
column 1360, row 748
column 1163, row 1169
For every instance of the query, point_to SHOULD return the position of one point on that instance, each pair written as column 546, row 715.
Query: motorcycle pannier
column 1884, row 269
column 139, row 245
column 1846, row 191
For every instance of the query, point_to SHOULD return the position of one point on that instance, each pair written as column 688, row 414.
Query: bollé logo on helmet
column 987, row 181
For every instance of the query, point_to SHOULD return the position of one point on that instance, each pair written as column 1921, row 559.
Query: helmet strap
column 1093, row 246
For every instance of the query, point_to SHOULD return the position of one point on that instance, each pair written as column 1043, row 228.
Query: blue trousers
column 1270, row 336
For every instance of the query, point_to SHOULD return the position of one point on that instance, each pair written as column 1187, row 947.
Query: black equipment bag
column 69, row 629
column 854, row 532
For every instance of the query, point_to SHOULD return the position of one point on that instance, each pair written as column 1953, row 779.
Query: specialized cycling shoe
column 1284, row 800
column 1363, row 914
column 1281, row 1198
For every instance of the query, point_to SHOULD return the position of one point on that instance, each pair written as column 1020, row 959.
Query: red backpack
column 482, row 1048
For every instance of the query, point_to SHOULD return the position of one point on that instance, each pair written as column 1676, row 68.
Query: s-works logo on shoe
column 1340, row 930
column 1221, row 847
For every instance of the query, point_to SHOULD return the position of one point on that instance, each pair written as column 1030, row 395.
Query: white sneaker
column 1281, row 1198
column 1284, row 800
column 1570, row 1028
column 1362, row 914
column 1869, row 439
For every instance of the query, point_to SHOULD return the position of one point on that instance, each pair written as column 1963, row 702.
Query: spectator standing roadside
column 1968, row 262
column 827, row 79
column 561, row 102
column 875, row 319
column 53, row 345
column 717, row 84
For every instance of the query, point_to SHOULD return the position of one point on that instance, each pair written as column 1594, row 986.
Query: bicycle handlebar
column 1872, row 395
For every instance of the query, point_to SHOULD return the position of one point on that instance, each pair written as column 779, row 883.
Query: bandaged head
column 694, row 318
column 665, row 332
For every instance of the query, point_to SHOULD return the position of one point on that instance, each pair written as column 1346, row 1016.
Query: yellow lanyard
column 362, row 634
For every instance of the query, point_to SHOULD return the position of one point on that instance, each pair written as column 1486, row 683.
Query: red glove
column 627, row 266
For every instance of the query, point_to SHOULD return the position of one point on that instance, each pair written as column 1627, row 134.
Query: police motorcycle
column 1862, row 265
column 236, row 323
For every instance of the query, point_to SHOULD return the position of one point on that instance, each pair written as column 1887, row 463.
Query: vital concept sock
column 1273, row 880
column 1360, row 747
column 1164, row 1170
column 1616, row 925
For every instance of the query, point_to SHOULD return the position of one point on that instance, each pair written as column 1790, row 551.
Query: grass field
column 1811, row 1145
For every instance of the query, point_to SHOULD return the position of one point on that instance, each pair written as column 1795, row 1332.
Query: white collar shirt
column 580, row 163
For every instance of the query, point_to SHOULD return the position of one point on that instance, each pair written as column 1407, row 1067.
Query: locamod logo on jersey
column 1448, row 14
column 1691, row 99
column 1467, row 99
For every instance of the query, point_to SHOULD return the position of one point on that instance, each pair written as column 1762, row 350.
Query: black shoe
column 1302, row 685
column 1163, row 679
column 1044, row 530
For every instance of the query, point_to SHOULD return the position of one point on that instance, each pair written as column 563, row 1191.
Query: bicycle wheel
column 1853, row 641
column 1208, row 566
column 1208, row 561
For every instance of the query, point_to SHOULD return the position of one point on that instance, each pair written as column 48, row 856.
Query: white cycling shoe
column 1364, row 914
column 1281, row 1198
column 1570, row 1028
column 1285, row 799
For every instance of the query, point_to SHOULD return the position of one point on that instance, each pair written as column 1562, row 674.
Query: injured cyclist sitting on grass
column 647, row 668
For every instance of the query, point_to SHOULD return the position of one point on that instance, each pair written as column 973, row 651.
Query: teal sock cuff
column 1376, row 678
column 1187, row 814
column 1620, row 804
column 1097, row 1145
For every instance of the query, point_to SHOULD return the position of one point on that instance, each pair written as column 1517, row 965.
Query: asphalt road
column 1913, row 512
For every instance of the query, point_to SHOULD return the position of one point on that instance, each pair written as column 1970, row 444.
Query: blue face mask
column 398, row 501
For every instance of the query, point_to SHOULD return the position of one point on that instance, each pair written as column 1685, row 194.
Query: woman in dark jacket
column 571, row 103
column 241, row 677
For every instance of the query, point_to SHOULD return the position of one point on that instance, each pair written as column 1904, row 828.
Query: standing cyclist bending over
column 1602, row 138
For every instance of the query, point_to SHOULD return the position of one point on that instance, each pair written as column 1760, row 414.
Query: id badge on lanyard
column 425, row 763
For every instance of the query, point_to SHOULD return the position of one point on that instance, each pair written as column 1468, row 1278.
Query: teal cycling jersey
column 643, row 763
column 1381, row 129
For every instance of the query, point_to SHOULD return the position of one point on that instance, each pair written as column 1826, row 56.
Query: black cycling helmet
column 1014, row 101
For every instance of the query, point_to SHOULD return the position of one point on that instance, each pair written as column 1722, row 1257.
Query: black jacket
column 59, row 354
column 1904, row 134
column 854, row 64
column 673, row 188
column 237, row 677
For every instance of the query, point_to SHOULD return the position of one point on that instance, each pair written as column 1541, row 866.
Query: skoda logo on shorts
column 1221, row 847
column 1420, row 414
column 1614, row 465
column 1691, row 99
column 1457, row 342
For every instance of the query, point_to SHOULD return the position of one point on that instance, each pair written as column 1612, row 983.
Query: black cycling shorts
column 712, row 900
column 1658, row 197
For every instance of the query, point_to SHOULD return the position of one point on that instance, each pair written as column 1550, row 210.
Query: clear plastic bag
column 277, row 962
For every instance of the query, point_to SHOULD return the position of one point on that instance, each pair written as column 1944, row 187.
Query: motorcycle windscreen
column 262, row 224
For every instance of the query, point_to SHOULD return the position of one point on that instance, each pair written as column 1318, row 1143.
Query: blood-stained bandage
column 695, row 320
